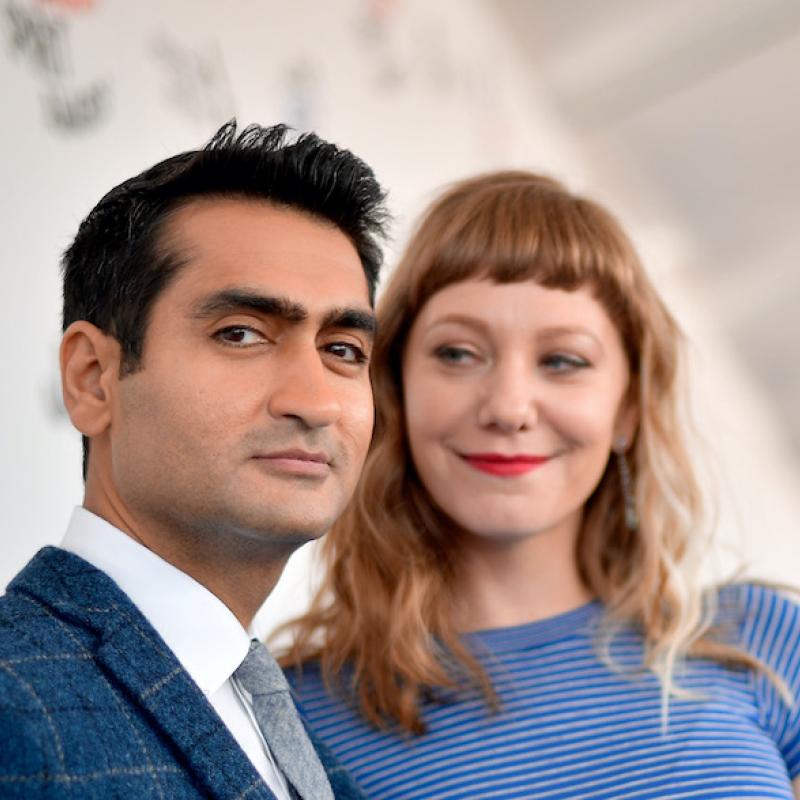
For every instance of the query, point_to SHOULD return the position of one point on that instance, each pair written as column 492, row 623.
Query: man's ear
column 90, row 363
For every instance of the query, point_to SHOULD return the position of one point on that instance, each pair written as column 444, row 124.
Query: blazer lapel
column 135, row 657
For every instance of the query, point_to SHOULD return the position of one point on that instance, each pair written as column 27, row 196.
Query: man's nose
column 304, row 388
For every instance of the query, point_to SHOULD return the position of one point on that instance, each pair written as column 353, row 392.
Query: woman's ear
column 90, row 363
column 626, row 423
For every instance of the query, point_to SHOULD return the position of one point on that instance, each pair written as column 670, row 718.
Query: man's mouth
column 296, row 462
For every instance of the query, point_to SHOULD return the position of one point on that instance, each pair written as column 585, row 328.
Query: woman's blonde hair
column 384, row 611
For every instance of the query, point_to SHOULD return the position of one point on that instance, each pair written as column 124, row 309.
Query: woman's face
column 514, row 396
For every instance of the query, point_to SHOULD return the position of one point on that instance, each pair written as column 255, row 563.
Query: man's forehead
column 205, row 222
column 233, row 243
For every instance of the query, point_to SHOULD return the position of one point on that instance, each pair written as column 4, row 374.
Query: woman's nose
column 509, row 403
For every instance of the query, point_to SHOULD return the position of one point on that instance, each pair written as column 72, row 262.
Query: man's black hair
column 116, row 267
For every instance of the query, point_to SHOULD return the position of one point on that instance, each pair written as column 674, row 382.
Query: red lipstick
column 504, row 466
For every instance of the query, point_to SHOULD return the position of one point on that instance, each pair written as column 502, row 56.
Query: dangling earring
column 631, row 517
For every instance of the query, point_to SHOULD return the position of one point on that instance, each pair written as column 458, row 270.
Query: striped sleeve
column 771, row 632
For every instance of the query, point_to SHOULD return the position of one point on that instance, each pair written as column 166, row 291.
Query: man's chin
column 285, row 531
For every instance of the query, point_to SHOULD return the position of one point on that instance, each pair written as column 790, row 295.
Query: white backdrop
column 96, row 90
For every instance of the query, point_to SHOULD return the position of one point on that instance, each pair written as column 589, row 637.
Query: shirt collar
column 196, row 625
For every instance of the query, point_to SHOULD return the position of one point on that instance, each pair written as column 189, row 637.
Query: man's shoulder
column 66, row 722
column 42, row 668
column 39, row 646
column 52, row 619
column 28, row 626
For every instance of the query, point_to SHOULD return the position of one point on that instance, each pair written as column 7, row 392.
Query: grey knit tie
column 261, row 677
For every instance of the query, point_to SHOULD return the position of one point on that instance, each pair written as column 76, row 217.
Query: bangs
column 524, row 230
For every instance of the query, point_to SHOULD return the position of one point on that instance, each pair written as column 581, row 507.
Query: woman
column 511, row 606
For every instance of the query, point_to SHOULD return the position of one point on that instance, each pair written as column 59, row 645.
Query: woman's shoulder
column 754, row 600
column 304, row 676
column 313, row 693
column 764, row 619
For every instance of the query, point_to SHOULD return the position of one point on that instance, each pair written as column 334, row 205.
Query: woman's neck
column 510, row 582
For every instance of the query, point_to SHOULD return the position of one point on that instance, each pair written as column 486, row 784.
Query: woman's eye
column 239, row 336
column 449, row 354
column 348, row 352
column 562, row 362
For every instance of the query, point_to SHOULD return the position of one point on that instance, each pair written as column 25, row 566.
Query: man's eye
column 562, row 362
column 239, row 336
column 347, row 352
column 449, row 354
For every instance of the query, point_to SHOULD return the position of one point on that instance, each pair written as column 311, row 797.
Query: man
column 218, row 322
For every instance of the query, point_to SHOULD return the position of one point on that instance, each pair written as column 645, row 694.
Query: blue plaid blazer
column 94, row 705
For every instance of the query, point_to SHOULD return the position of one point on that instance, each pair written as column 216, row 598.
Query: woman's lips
column 503, row 465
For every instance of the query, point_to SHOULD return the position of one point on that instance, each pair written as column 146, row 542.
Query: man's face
column 252, row 411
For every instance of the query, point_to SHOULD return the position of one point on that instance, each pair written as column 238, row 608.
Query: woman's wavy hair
column 384, row 613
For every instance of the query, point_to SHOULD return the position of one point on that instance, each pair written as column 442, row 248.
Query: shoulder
column 39, row 650
column 34, row 672
column 28, row 632
column 765, row 618
column 317, row 698
column 304, row 679
column 767, row 622
column 46, row 652
column 31, row 628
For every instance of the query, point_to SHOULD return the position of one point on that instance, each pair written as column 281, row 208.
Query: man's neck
column 240, row 571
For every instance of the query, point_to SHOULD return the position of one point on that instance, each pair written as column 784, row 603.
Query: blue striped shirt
column 570, row 727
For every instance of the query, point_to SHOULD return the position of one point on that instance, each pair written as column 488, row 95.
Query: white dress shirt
column 197, row 626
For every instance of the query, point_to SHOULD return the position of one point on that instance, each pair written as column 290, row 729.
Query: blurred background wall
column 681, row 116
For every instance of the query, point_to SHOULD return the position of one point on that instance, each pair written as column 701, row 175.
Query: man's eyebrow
column 228, row 301
column 354, row 318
